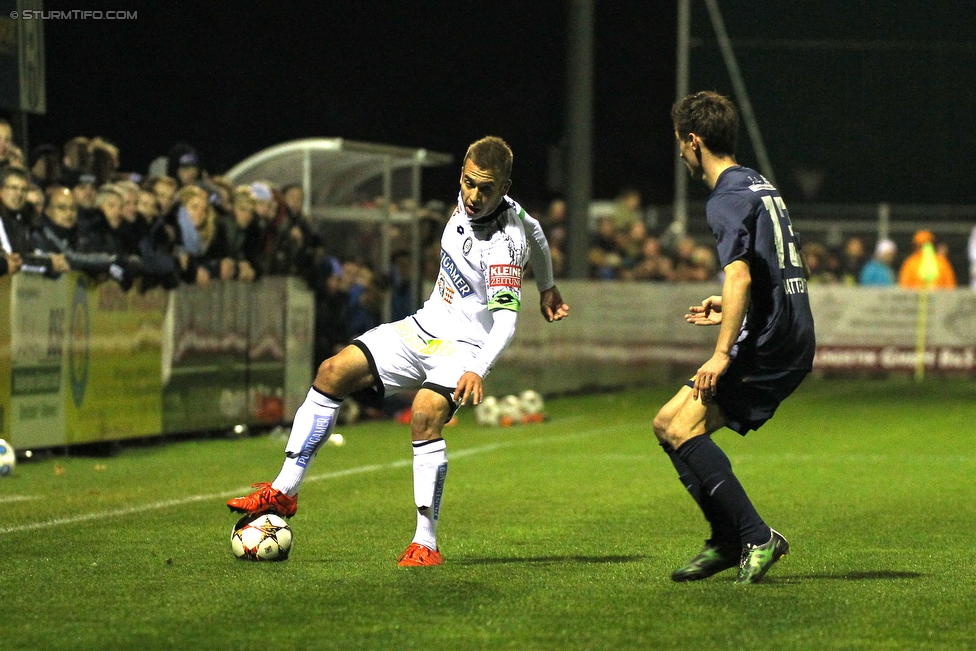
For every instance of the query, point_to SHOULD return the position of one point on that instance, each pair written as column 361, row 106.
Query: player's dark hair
column 710, row 116
column 491, row 153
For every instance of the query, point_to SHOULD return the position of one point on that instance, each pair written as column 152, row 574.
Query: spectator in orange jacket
column 925, row 268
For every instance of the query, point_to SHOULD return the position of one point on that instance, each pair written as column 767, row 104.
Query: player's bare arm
column 552, row 305
column 734, row 303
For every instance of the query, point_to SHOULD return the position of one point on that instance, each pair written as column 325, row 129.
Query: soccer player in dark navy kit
column 765, row 342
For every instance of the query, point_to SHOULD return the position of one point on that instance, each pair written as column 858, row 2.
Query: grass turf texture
column 556, row 536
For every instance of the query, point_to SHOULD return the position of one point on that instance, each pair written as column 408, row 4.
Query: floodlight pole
column 579, row 127
column 385, row 227
column 679, row 223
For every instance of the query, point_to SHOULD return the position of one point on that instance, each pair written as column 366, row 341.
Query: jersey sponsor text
column 457, row 279
column 504, row 275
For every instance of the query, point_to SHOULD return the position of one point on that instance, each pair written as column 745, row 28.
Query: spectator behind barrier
column 653, row 263
column 206, row 248
column 134, row 228
column 75, row 162
column 35, row 197
column 627, row 209
column 161, row 254
column 926, row 268
column 16, row 222
column 57, row 234
column 6, row 142
column 305, row 242
column 164, row 188
column 183, row 164
column 104, row 160
column 45, row 165
column 852, row 260
column 604, row 256
column 331, row 307
column 879, row 271
column 554, row 226
column 107, row 234
column 243, row 233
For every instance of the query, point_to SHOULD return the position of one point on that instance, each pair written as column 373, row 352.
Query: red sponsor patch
column 504, row 275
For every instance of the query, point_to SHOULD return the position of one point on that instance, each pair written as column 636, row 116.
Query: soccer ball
column 487, row 411
column 7, row 458
column 510, row 411
column 532, row 403
column 263, row 538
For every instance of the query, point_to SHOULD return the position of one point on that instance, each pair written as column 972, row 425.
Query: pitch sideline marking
column 17, row 498
column 153, row 506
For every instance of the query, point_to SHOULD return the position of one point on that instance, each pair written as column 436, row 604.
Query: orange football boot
column 416, row 555
column 265, row 500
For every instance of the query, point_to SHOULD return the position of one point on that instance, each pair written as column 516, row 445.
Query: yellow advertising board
column 84, row 362
column 113, row 385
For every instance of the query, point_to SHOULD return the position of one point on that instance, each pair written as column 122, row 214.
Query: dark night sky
column 877, row 98
column 232, row 79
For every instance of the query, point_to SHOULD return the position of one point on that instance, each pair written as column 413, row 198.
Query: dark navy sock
column 724, row 532
column 720, row 486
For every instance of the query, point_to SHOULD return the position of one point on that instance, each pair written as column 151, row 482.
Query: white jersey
column 481, row 266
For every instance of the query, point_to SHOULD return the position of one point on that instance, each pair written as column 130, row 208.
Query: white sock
column 429, row 472
column 312, row 427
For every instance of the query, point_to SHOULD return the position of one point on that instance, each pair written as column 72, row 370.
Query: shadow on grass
column 552, row 559
column 879, row 575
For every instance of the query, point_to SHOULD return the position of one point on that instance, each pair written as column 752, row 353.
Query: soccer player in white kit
column 444, row 351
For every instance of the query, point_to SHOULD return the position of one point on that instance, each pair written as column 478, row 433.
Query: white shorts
column 402, row 356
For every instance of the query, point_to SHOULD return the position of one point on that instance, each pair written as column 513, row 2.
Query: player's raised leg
column 314, row 421
column 431, row 409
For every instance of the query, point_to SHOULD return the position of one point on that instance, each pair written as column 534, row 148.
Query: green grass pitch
column 560, row 535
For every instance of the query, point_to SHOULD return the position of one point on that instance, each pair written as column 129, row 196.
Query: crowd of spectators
column 926, row 266
column 71, row 208
column 622, row 248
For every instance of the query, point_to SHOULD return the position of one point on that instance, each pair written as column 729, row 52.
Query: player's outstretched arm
column 552, row 305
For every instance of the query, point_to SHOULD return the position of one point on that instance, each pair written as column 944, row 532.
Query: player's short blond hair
column 491, row 153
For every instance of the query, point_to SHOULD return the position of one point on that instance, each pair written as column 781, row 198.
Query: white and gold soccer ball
column 510, row 411
column 487, row 412
column 533, row 405
column 8, row 458
column 262, row 538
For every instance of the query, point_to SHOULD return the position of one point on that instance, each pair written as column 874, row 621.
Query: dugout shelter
column 363, row 198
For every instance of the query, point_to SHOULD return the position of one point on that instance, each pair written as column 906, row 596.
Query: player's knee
column 674, row 436
column 327, row 376
column 661, row 423
column 424, row 423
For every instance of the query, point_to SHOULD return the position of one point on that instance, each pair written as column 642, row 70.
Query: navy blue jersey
column 750, row 223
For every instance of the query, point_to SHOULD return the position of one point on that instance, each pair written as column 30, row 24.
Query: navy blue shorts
column 749, row 399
